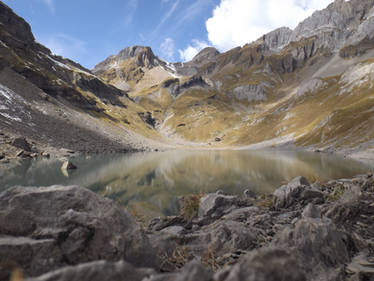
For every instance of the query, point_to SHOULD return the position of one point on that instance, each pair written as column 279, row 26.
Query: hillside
column 311, row 87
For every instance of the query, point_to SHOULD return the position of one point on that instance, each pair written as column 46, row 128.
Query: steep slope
column 312, row 86
column 57, row 103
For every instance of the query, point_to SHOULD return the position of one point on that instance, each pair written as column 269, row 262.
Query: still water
column 150, row 183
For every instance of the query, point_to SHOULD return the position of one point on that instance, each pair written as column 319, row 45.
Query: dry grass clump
column 190, row 206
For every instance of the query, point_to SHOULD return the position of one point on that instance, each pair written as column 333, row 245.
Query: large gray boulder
column 296, row 191
column 49, row 227
column 269, row 264
column 321, row 249
column 215, row 205
column 97, row 271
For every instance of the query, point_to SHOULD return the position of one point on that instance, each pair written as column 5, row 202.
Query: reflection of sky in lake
column 151, row 182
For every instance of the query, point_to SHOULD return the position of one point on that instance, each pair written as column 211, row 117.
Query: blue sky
column 88, row 31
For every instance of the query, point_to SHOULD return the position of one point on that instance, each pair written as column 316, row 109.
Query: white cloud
column 192, row 50
column 167, row 48
column 237, row 22
column 50, row 5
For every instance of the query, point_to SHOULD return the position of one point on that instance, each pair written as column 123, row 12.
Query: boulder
column 67, row 165
column 269, row 264
column 97, row 271
column 192, row 271
column 321, row 249
column 71, row 225
column 215, row 205
column 21, row 143
column 297, row 190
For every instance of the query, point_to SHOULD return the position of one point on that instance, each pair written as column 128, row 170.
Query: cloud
column 169, row 13
column 132, row 5
column 167, row 48
column 237, row 22
column 65, row 45
column 192, row 50
column 50, row 5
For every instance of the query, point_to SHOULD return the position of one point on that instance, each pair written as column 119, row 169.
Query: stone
column 311, row 211
column 82, row 225
column 192, row 271
column 286, row 195
column 268, row 264
column 215, row 205
column 46, row 155
column 21, row 143
column 2, row 156
column 321, row 249
column 67, row 165
column 97, row 271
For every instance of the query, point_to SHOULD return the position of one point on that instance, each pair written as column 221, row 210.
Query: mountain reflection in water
column 150, row 183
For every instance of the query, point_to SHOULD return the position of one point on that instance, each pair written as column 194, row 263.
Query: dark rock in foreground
column 42, row 229
column 303, row 232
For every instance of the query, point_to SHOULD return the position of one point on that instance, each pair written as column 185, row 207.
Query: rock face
column 46, row 228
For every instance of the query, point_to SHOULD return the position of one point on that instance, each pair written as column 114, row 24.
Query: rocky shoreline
column 302, row 232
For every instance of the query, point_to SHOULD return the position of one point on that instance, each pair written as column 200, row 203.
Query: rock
column 269, row 264
column 320, row 248
column 193, row 271
column 21, row 143
column 20, row 153
column 286, row 195
column 76, row 224
column 311, row 211
column 216, row 205
column 97, row 271
column 46, row 155
column 67, row 165
column 361, row 267
column 2, row 156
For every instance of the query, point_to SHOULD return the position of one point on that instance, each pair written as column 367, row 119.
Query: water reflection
column 149, row 183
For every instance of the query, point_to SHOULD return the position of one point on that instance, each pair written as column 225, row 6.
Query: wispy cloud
column 168, row 14
column 50, row 4
column 167, row 48
column 132, row 5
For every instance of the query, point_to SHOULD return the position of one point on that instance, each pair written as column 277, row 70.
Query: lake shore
column 319, row 231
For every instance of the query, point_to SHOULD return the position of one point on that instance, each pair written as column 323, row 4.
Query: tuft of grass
column 178, row 258
column 190, row 206
column 264, row 202
column 17, row 275
column 209, row 260
column 338, row 192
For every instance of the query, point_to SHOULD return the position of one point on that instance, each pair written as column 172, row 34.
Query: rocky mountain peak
column 206, row 54
column 143, row 57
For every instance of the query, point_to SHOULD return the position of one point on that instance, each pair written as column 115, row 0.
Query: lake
column 150, row 183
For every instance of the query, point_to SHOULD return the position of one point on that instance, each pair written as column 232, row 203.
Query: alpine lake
column 150, row 183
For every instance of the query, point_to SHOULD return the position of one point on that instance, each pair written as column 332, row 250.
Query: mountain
column 310, row 87
column 57, row 103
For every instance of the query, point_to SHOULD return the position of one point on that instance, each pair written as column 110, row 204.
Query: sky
column 88, row 31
